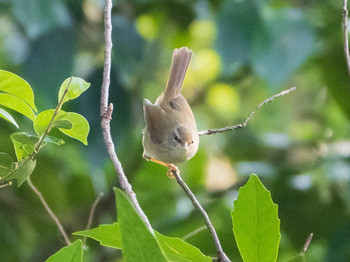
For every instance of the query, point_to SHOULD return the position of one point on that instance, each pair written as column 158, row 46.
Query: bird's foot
column 172, row 170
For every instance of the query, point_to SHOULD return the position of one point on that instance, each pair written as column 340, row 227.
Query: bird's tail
column 179, row 64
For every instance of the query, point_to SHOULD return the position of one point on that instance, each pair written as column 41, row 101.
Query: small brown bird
column 170, row 135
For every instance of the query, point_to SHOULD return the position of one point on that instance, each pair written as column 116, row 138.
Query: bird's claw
column 172, row 170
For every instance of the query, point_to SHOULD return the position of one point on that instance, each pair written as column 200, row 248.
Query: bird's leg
column 171, row 167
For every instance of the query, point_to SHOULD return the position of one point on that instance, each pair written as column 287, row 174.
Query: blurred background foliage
column 244, row 52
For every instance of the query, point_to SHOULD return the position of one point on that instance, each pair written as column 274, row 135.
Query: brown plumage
column 171, row 134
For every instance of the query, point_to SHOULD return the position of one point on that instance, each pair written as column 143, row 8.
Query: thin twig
column 48, row 209
column 221, row 255
column 303, row 250
column 228, row 128
column 92, row 212
column 346, row 34
column 106, row 116
column 306, row 245
column 7, row 184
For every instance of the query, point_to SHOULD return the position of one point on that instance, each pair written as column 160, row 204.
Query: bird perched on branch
column 170, row 135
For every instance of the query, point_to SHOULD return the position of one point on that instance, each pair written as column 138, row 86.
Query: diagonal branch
column 221, row 255
column 106, row 116
column 346, row 34
column 258, row 107
column 49, row 210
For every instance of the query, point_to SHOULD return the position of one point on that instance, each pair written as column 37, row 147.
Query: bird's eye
column 176, row 138
column 191, row 142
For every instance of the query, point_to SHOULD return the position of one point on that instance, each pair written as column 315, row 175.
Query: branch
column 306, row 245
column 106, row 116
column 258, row 107
column 48, row 209
column 221, row 255
column 92, row 212
column 346, row 34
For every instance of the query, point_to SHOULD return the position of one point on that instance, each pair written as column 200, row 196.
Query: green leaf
column 138, row 242
column 5, row 115
column 24, row 144
column 75, row 88
column 16, row 104
column 23, row 171
column 71, row 124
column 17, row 86
column 43, row 119
column 5, row 164
column 255, row 223
column 72, row 253
column 63, row 123
column 175, row 249
column 54, row 140
column 80, row 127
column 107, row 235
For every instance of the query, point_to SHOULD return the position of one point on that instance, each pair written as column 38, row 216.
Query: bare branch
column 7, row 184
column 92, row 212
column 346, row 34
column 106, row 113
column 48, row 209
column 221, row 255
column 258, row 107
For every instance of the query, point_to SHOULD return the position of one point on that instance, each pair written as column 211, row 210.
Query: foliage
column 20, row 98
column 244, row 52
column 255, row 223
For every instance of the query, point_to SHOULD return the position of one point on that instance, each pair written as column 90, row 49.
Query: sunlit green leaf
column 16, row 104
column 54, row 140
column 24, row 170
column 175, row 249
column 24, row 144
column 5, row 115
column 17, row 86
column 72, row 253
column 5, row 164
column 138, row 242
column 72, row 124
column 43, row 120
column 80, row 127
column 62, row 123
column 75, row 85
column 107, row 235
column 255, row 223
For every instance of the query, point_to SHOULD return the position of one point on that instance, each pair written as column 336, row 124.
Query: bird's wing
column 156, row 122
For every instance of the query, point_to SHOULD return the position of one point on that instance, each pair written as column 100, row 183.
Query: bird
column 171, row 135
